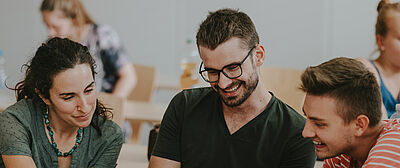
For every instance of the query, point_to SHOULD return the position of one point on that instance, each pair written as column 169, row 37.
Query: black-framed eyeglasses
column 231, row 71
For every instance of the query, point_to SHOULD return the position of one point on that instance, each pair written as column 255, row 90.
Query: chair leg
column 135, row 132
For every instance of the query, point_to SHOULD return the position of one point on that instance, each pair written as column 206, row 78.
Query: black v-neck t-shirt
column 193, row 132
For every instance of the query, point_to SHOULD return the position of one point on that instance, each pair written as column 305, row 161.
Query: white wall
column 295, row 33
column 20, row 34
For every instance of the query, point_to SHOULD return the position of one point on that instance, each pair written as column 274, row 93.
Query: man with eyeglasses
column 236, row 122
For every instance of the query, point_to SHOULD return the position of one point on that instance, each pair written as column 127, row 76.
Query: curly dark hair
column 52, row 57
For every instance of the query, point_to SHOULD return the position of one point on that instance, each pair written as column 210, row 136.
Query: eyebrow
column 316, row 119
column 67, row 94
column 311, row 118
column 210, row 69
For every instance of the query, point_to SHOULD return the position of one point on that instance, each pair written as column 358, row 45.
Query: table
column 319, row 164
column 135, row 111
column 144, row 111
column 133, row 155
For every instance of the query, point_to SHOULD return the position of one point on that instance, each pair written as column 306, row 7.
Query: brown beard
column 249, row 87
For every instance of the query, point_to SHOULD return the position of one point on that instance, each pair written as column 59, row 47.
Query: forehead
column 393, row 21
column 321, row 107
column 226, row 53
column 73, row 79
column 54, row 16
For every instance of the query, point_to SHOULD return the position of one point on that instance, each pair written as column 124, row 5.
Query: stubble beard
column 248, row 88
column 335, row 151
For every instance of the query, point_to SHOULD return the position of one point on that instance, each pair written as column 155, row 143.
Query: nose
column 308, row 131
column 81, row 103
column 223, row 81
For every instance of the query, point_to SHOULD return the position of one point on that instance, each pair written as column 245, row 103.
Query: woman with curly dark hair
column 58, row 120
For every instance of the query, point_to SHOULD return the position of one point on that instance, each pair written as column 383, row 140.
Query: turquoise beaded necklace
column 53, row 143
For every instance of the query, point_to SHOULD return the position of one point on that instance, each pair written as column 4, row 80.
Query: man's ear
column 259, row 55
column 360, row 124
column 45, row 100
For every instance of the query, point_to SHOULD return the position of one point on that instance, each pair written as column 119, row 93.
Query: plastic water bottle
column 189, row 65
column 3, row 75
column 397, row 113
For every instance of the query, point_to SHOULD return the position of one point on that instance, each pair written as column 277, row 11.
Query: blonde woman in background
column 69, row 19
column 386, row 67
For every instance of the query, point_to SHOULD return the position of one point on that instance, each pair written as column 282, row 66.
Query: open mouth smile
column 232, row 89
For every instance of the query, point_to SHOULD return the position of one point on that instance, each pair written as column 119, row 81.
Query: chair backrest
column 144, row 88
column 117, row 105
column 284, row 83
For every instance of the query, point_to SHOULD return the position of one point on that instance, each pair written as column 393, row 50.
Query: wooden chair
column 284, row 83
column 146, row 76
column 117, row 105
column 146, row 79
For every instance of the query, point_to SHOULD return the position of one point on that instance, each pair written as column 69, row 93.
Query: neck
column 387, row 66
column 255, row 103
column 365, row 142
column 60, row 127
column 81, row 33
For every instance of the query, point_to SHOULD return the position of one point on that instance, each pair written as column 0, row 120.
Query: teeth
column 232, row 89
column 317, row 143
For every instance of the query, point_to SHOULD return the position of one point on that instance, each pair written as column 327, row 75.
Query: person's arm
column 14, row 141
column 17, row 161
column 126, row 82
column 158, row 162
column 166, row 151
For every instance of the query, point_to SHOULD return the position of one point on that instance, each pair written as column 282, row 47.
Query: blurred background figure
column 387, row 66
column 69, row 19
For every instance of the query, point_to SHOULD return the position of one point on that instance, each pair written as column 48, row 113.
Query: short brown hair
column 223, row 24
column 346, row 80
